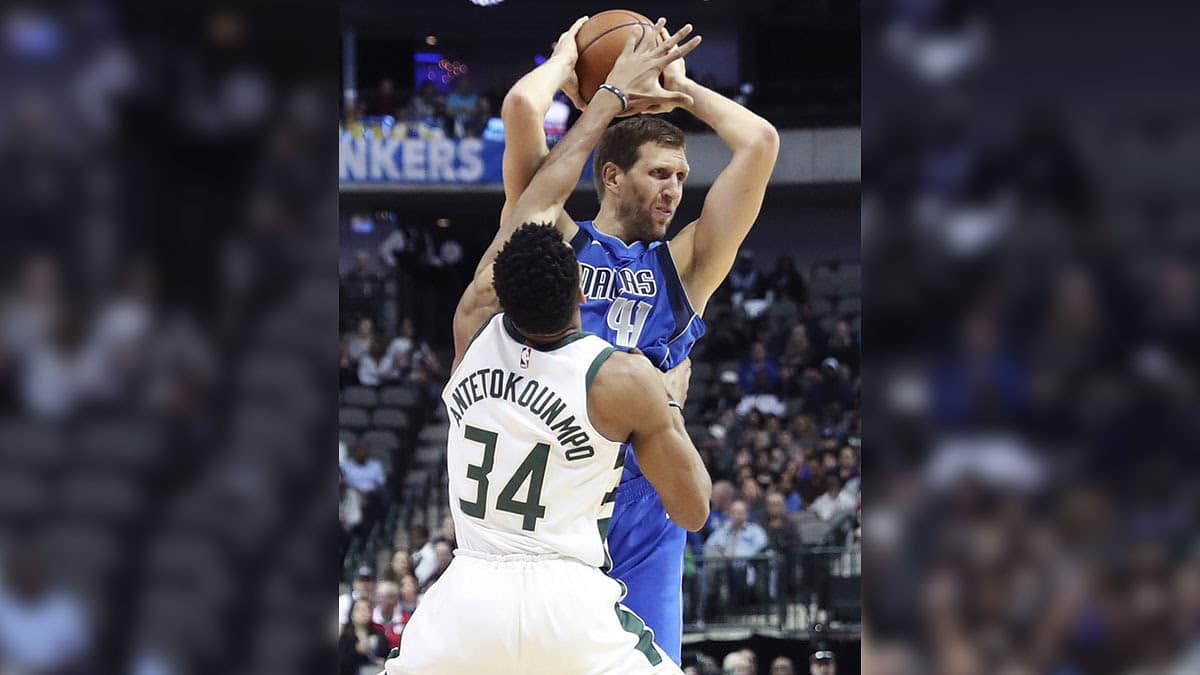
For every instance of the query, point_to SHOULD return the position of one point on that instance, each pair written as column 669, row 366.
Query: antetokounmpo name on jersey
column 535, row 397
column 605, row 283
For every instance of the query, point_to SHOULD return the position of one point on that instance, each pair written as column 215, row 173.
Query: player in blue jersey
column 642, row 291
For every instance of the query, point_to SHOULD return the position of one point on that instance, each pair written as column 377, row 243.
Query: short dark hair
column 621, row 141
column 536, row 277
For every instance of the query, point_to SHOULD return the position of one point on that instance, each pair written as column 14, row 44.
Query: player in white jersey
column 538, row 413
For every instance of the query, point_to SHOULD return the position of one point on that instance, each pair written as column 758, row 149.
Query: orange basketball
column 600, row 41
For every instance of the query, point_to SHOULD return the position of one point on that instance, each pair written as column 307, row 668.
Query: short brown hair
column 621, row 141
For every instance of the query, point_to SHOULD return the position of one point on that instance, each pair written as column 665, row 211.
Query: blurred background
column 1030, row 244
column 167, row 305
column 774, row 403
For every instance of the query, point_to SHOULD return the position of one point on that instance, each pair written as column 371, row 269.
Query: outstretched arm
column 705, row 250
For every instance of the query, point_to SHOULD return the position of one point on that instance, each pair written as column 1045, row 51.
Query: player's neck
column 606, row 221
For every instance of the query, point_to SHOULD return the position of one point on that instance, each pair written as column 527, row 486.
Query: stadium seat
column 21, row 495
column 389, row 418
column 435, row 434
column 106, row 497
column 398, row 397
column 430, row 455
column 25, row 444
column 353, row 418
column 849, row 306
column 381, row 442
column 821, row 306
column 132, row 445
column 362, row 397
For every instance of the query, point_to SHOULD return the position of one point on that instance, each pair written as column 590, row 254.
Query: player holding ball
column 640, row 290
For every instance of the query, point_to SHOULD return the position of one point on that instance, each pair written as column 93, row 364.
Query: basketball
column 600, row 41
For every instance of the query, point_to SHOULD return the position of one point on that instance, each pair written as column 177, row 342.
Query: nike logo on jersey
column 606, row 283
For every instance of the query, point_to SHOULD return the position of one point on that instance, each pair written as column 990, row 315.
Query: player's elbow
column 768, row 138
column 692, row 518
column 516, row 104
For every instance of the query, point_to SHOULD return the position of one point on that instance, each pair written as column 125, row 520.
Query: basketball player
column 639, row 290
column 539, row 411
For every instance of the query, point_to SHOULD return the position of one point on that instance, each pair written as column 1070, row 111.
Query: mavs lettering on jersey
column 633, row 296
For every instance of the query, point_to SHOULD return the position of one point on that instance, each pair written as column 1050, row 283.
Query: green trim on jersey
column 633, row 623
column 479, row 332
column 595, row 367
column 515, row 334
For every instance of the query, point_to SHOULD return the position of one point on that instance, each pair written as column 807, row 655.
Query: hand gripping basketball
column 639, row 65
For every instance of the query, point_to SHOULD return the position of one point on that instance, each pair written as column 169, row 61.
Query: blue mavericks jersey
column 633, row 297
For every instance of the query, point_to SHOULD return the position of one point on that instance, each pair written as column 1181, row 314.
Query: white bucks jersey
column 528, row 473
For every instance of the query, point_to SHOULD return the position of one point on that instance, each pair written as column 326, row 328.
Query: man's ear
column 610, row 175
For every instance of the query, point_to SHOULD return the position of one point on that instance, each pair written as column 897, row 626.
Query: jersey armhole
column 592, row 370
column 581, row 238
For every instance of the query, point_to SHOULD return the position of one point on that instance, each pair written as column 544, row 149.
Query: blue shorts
column 647, row 552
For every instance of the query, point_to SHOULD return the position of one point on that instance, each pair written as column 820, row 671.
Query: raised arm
column 628, row 401
column 706, row 248
column 524, row 113
column 636, row 75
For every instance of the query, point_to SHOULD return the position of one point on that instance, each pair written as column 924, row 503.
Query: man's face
column 388, row 599
column 650, row 191
column 782, row 666
column 738, row 513
column 823, row 668
column 364, row 587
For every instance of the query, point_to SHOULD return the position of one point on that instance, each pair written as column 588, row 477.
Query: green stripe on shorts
column 633, row 623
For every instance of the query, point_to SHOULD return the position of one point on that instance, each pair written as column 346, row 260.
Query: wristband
column 620, row 94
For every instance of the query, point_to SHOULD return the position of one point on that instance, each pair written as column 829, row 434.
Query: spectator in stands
column 398, row 567
column 848, row 468
column 835, row 501
column 385, row 100
column 798, row 355
column 424, row 557
column 751, row 659
column 748, row 284
column 362, row 643
column 751, row 494
column 727, row 396
column 756, row 364
column 736, row 663
column 409, row 596
column 349, row 512
column 787, row 282
column 388, row 613
column 444, row 554
column 782, row 535
column 400, row 349
column 43, row 628
column 841, row 345
column 362, row 588
column 374, row 367
column 347, row 368
column 765, row 402
column 365, row 475
column 361, row 290
column 463, row 109
column 782, row 665
column 427, row 106
column 360, row 342
column 738, row 538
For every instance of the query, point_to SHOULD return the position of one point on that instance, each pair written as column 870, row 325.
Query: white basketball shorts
column 526, row 615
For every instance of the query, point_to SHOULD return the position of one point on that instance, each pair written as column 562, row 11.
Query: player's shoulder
column 623, row 374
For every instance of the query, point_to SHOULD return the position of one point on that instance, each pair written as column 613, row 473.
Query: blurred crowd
column 1034, row 304
column 425, row 112
column 161, row 314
